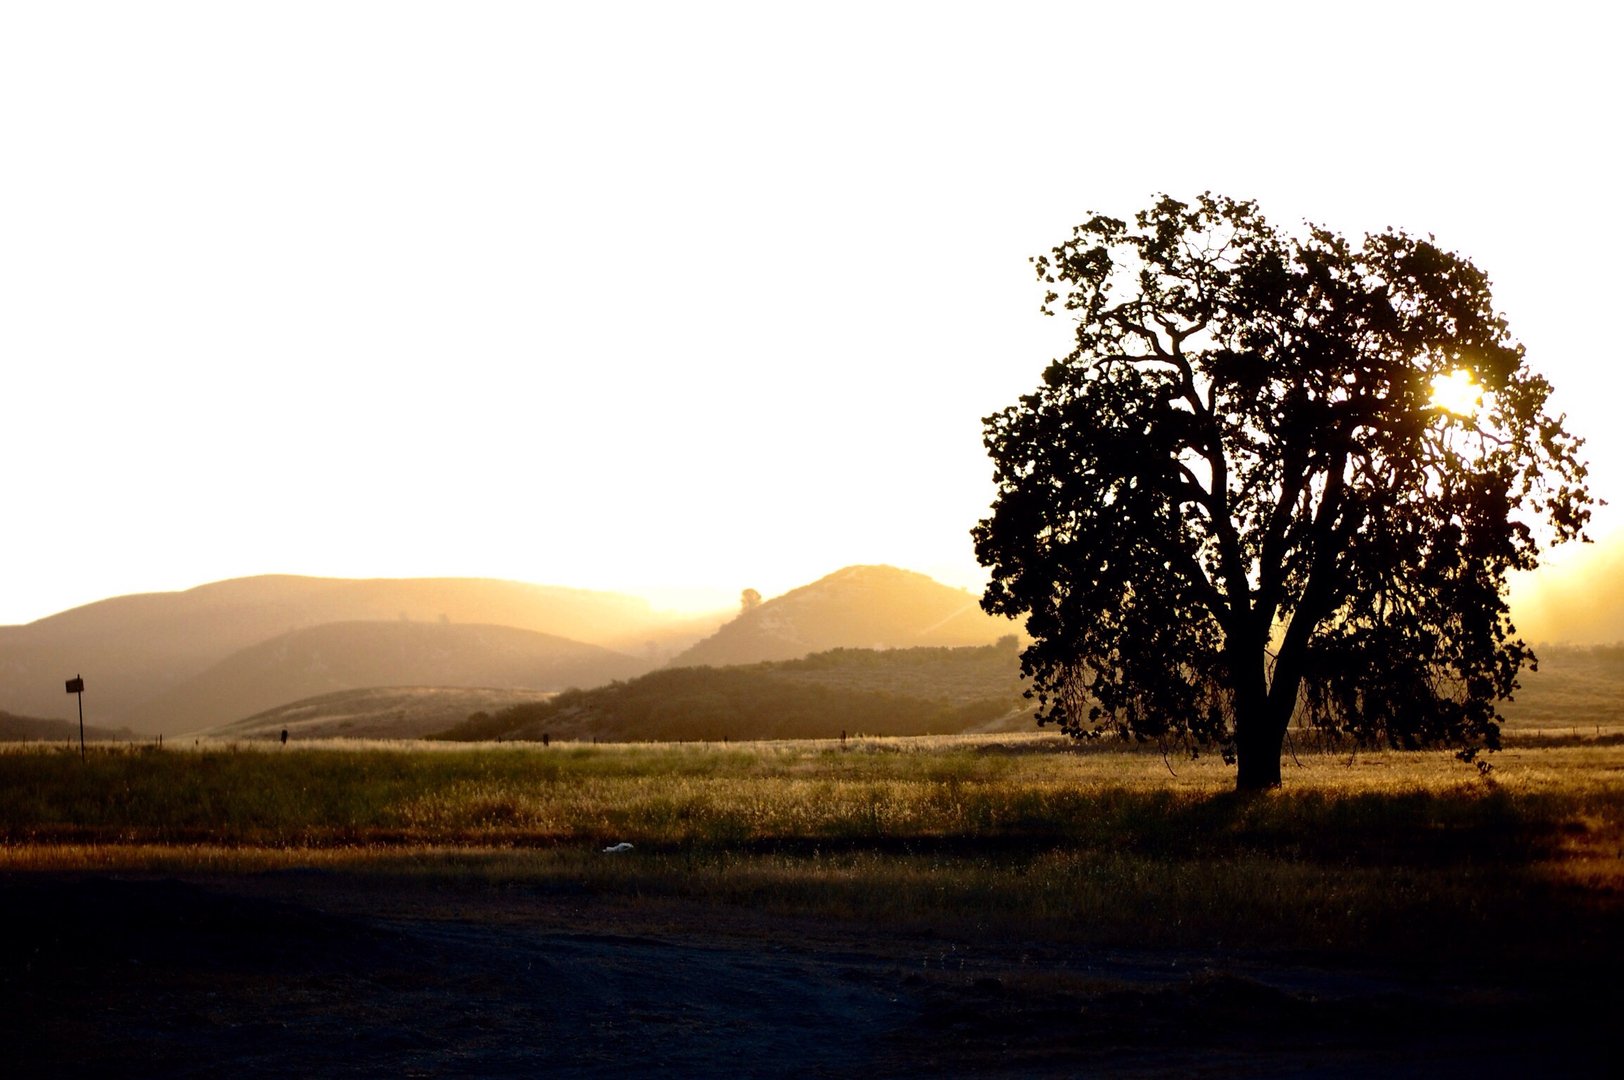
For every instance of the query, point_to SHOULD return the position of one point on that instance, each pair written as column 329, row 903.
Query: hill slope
column 132, row 649
column 26, row 728
column 1577, row 689
column 871, row 607
column 923, row 691
column 357, row 655
column 394, row 712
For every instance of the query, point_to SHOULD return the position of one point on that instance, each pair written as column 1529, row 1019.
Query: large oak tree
column 1241, row 494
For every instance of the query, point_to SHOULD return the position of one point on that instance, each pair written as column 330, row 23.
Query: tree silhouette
column 1237, row 496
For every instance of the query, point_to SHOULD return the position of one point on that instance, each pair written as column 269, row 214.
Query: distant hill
column 356, row 655
column 396, row 712
column 920, row 691
column 871, row 607
column 30, row 728
column 1578, row 689
column 133, row 649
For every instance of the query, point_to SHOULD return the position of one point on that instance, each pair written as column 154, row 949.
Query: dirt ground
column 316, row 973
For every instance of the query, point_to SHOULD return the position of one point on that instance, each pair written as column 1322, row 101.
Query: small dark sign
column 76, row 685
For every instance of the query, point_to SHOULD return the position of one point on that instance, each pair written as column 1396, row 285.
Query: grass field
column 1368, row 851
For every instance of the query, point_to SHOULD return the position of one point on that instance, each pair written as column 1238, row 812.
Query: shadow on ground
column 317, row 973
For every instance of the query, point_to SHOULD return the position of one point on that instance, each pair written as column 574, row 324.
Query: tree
column 749, row 600
column 1241, row 495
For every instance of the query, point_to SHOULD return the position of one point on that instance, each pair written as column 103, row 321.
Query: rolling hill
column 27, row 728
column 840, row 687
column 134, row 650
column 395, row 712
column 920, row 691
column 358, row 655
column 1578, row 689
column 1578, row 692
column 875, row 607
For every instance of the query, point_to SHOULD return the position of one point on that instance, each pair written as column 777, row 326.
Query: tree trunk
column 1258, row 742
column 1258, row 737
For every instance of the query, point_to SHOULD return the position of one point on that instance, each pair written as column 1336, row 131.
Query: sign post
column 76, row 685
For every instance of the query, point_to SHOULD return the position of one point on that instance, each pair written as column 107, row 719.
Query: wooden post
column 76, row 685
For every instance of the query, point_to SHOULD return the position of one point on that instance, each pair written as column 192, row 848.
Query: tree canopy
column 1254, row 486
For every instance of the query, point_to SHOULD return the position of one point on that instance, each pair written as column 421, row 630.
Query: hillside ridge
column 133, row 650
column 860, row 606
column 917, row 691
column 355, row 655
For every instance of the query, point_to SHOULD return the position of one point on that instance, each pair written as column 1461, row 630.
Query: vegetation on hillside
column 923, row 691
column 1576, row 693
column 391, row 712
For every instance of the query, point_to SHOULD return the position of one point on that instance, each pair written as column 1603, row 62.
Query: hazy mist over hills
column 133, row 650
column 414, row 652
column 1577, row 597
column 355, row 655
column 213, row 655
column 243, row 611
column 27, row 728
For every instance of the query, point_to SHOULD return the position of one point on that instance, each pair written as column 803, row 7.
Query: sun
column 1456, row 393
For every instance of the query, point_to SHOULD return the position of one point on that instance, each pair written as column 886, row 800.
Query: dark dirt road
column 321, row 974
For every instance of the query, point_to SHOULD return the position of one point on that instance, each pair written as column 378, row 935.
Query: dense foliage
column 1236, row 498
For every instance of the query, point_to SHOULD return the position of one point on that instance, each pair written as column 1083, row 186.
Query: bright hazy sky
column 682, row 296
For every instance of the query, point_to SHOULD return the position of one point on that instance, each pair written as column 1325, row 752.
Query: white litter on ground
column 622, row 846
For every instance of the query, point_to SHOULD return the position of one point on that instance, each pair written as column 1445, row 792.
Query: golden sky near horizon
column 682, row 298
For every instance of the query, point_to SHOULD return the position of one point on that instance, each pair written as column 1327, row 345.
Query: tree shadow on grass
column 1411, row 828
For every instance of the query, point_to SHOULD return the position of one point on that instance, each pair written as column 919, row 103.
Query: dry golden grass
column 1385, row 847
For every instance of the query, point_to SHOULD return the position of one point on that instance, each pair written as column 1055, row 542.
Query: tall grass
column 1413, row 848
column 887, row 792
